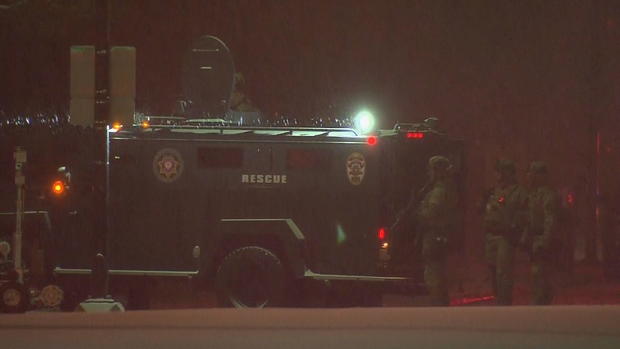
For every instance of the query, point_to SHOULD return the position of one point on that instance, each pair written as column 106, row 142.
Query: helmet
column 505, row 166
column 431, row 122
column 439, row 162
column 538, row 167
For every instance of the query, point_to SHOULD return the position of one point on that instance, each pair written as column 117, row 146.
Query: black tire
column 13, row 298
column 251, row 277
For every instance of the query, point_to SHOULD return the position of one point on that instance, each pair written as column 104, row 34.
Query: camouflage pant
column 541, row 273
column 434, row 253
column 500, row 255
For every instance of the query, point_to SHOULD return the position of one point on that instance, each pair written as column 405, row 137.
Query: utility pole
column 597, row 110
column 102, row 120
column 102, row 63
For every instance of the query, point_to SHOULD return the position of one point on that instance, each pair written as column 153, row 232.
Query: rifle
column 406, row 218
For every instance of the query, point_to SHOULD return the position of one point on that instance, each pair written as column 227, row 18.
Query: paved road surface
column 458, row 327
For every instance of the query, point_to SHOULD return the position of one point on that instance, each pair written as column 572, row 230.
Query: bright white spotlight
column 364, row 121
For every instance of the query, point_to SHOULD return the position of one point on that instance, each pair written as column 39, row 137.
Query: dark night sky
column 518, row 79
column 403, row 58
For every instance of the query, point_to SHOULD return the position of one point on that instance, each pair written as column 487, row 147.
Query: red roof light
column 381, row 234
column 415, row 135
column 372, row 140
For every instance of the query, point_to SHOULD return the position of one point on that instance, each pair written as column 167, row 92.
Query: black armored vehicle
column 256, row 211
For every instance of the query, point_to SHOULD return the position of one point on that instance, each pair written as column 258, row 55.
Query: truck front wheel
column 251, row 277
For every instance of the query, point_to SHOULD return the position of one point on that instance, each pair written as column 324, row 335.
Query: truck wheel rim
column 11, row 297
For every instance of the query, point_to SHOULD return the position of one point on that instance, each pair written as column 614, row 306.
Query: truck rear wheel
column 13, row 298
column 251, row 277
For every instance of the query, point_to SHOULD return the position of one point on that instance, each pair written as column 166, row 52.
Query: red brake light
column 415, row 135
column 381, row 234
column 372, row 140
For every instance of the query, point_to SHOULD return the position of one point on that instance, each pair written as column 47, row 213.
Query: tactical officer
column 504, row 222
column 435, row 218
column 539, row 235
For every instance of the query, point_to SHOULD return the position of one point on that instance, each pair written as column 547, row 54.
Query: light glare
column 364, row 121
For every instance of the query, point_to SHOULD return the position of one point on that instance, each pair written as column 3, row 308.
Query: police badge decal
column 168, row 165
column 356, row 167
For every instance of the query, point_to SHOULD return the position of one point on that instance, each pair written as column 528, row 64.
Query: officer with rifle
column 540, row 237
column 432, row 219
column 504, row 222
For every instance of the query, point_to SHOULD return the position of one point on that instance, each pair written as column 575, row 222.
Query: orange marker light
column 58, row 188
column 145, row 124
column 117, row 126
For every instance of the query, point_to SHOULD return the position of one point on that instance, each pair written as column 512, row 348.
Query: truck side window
column 308, row 159
column 217, row 157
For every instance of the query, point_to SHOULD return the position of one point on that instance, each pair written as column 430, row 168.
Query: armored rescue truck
column 255, row 211
column 260, row 215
